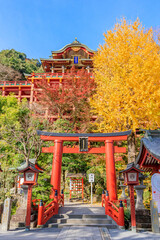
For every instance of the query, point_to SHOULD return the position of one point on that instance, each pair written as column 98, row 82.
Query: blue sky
column 37, row 27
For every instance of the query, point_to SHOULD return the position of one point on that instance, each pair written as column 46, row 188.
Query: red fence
column 46, row 212
column 117, row 214
column 15, row 83
column 50, row 75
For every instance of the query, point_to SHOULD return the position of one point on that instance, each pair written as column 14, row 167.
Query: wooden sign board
column 83, row 144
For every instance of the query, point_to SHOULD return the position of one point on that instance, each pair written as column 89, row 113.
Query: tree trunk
column 131, row 148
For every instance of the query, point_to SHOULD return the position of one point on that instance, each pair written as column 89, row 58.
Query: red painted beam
column 93, row 139
column 143, row 157
column 151, row 166
column 48, row 149
column 90, row 150
column 119, row 149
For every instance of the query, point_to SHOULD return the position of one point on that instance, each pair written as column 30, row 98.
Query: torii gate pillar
column 56, row 167
column 110, row 170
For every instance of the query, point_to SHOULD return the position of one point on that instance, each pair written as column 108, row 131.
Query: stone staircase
column 83, row 220
column 81, row 215
column 18, row 219
column 143, row 220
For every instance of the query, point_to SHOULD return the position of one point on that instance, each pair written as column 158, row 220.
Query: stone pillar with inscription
column 154, row 216
column 6, row 215
column 155, row 182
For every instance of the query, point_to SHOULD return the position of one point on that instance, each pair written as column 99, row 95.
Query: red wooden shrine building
column 76, row 185
column 55, row 68
column 149, row 154
column 149, row 161
column 83, row 139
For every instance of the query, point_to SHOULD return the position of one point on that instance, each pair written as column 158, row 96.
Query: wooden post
column 62, row 196
column 31, row 95
column 56, row 201
column 28, row 215
column 106, row 202
column 40, row 214
column 132, row 205
column 19, row 94
column 103, row 198
column 3, row 91
column 70, row 190
column 82, row 189
column 121, row 215
column 110, row 170
column 56, row 167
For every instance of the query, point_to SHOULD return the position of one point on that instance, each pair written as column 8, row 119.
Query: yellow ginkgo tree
column 127, row 74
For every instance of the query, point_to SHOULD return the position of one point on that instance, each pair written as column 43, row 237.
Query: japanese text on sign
column 91, row 177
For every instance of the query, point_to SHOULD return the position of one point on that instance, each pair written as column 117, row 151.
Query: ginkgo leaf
column 127, row 76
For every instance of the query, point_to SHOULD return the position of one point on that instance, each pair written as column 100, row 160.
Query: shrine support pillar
column 110, row 170
column 56, row 167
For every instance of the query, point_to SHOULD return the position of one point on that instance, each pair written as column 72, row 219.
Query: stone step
column 83, row 220
column 18, row 218
column 19, row 221
column 55, row 225
column 143, row 225
column 143, row 229
column 80, row 216
column 143, row 212
column 142, row 219
column 17, row 225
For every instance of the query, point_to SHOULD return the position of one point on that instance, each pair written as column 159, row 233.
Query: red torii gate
column 109, row 149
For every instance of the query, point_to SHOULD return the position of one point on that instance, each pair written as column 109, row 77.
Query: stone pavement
column 116, row 234
column 81, row 208
column 77, row 233
column 66, row 233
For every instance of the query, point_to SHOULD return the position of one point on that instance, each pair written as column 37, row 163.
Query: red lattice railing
column 117, row 214
column 15, row 83
column 49, row 75
column 46, row 212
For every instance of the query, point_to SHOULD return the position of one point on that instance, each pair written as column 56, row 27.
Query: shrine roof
column 151, row 142
column 63, row 59
column 83, row 134
column 32, row 163
column 54, row 59
column 130, row 166
column 75, row 43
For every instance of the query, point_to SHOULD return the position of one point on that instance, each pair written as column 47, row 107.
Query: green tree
column 19, row 61
column 18, row 142
column 18, row 128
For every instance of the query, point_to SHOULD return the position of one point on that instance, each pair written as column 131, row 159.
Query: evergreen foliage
column 19, row 61
column 19, row 142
